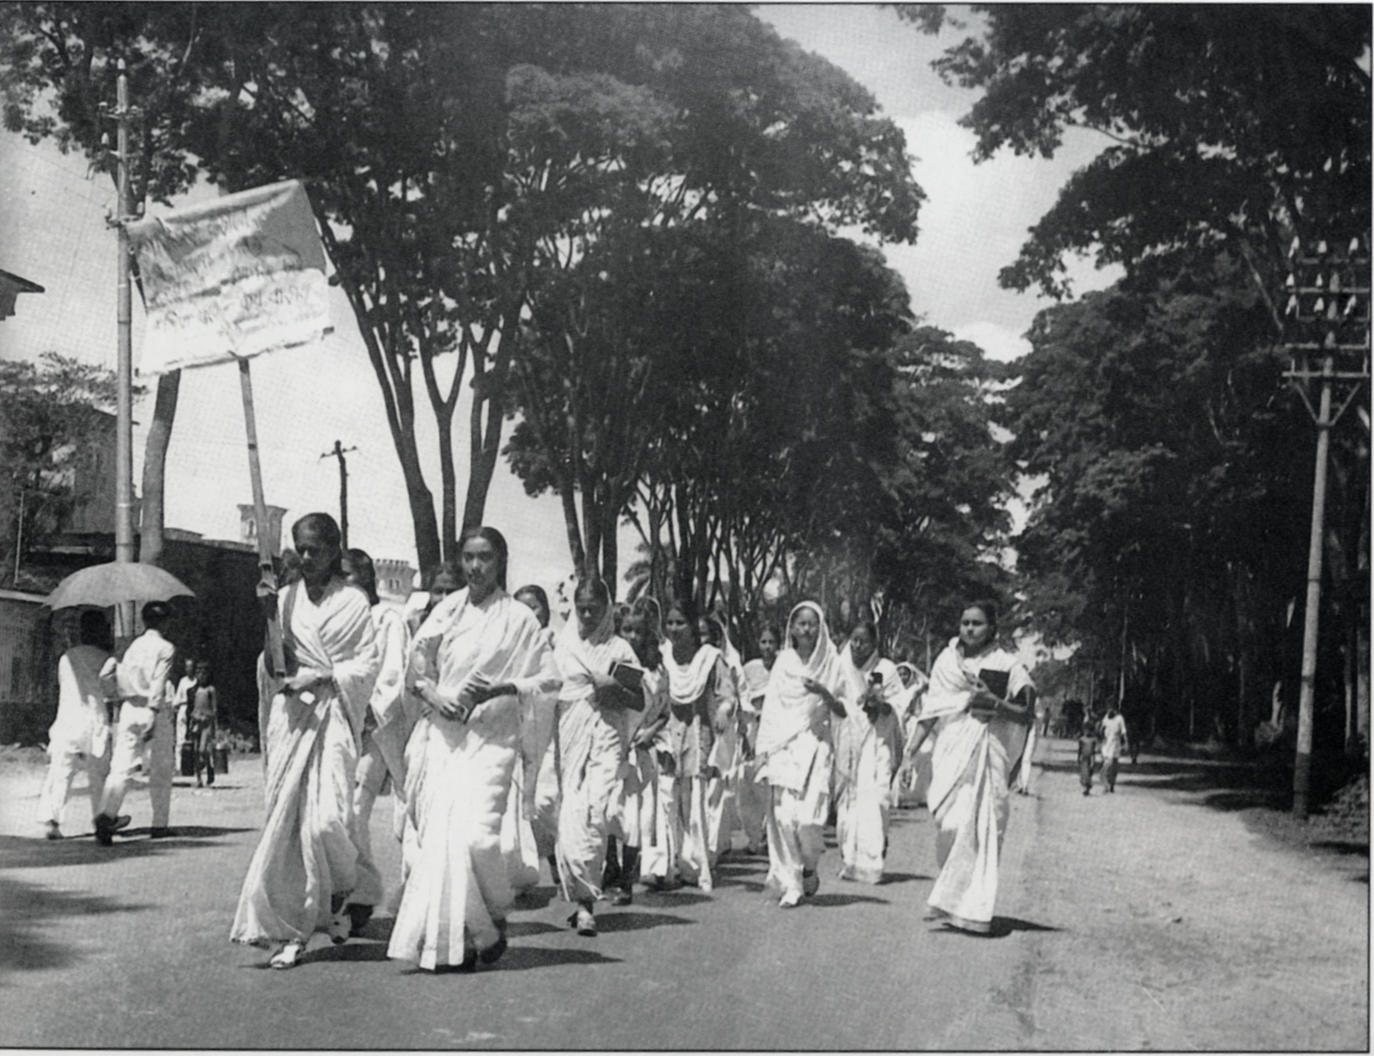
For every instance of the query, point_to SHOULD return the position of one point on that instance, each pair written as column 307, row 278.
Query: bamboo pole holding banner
column 267, row 574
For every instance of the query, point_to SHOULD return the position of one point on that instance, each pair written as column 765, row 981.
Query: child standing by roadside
column 204, row 711
column 1087, row 755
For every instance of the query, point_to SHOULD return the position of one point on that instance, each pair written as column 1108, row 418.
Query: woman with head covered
column 795, row 752
column 591, row 744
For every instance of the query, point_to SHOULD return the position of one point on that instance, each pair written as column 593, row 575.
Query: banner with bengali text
column 232, row 278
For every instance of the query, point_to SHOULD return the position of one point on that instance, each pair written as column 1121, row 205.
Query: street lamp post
column 1328, row 304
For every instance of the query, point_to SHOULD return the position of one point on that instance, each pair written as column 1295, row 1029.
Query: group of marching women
column 627, row 748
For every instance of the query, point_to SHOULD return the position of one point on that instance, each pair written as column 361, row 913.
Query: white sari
column 591, row 752
column 306, row 858
column 796, row 756
column 867, row 754
column 458, row 777
column 698, row 691
column 968, row 789
column 386, row 730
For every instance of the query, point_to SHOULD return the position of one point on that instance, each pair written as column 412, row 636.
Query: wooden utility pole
column 124, row 369
column 339, row 452
column 1328, row 304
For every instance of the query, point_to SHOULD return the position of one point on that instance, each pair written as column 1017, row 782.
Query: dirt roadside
column 1182, row 923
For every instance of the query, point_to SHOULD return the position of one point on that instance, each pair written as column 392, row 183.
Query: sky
column 53, row 231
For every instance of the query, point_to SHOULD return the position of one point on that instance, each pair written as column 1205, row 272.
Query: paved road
column 128, row 947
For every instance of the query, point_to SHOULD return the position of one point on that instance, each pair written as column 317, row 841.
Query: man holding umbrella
column 145, row 733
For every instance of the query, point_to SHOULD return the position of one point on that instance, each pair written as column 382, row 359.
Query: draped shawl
column 789, row 708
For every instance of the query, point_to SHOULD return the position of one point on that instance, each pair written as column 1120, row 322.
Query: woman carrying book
column 980, row 703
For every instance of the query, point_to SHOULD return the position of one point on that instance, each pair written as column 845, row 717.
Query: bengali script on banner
column 229, row 279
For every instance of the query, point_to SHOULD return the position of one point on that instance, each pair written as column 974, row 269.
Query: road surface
column 1150, row 919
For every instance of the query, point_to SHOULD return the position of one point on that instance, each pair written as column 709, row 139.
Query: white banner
column 232, row 278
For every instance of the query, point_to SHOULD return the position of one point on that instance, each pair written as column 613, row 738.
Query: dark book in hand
column 996, row 681
column 628, row 675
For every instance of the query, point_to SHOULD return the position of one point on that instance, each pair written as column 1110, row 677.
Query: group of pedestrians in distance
column 1101, row 745
column 114, row 717
column 119, row 714
column 627, row 749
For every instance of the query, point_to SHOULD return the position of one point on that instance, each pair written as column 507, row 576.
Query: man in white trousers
column 146, row 731
column 79, row 738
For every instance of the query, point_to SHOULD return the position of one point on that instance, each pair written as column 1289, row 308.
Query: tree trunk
column 152, row 514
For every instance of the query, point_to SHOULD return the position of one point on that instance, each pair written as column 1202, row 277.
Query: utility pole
column 339, row 452
column 124, row 429
column 1328, row 306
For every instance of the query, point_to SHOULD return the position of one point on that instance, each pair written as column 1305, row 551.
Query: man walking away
column 1113, row 744
column 142, row 680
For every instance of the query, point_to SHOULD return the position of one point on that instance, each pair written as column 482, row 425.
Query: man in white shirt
column 79, row 738
column 1114, row 742
column 146, row 734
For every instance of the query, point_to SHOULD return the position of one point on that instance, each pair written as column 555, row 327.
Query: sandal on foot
column 288, row 956
column 584, row 923
column 339, row 927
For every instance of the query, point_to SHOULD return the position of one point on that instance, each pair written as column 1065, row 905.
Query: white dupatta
column 789, row 708
column 578, row 657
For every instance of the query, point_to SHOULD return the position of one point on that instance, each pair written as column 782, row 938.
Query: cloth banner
column 232, row 278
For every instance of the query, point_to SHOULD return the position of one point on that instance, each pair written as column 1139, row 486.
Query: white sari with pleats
column 458, row 777
column 968, row 796
column 306, row 856
column 591, row 753
column 867, row 754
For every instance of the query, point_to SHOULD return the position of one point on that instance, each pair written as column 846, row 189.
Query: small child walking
column 1087, row 756
column 204, row 713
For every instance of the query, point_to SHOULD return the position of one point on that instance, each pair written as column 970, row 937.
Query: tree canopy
column 1235, row 125
column 54, row 417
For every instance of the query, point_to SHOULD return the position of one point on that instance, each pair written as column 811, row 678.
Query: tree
column 1233, row 130
column 1232, row 126
column 716, row 129
column 1167, row 531
column 51, row 423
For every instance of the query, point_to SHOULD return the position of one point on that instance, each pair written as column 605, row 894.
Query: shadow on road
column 828, row 901
column 524, row 958
column 681, row 897
column 902, row 878
column 350, row 952
column 22, row 852
column 636, row 921
column 29, row 910
column 1000, row 928
column 523, row 929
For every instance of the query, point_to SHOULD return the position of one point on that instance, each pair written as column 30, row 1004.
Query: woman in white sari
column 635, row 816
column 795, row 754
column 752, row 798
column 591, row 744
column 386, row 729
column 700, row 690
column 474, row 659
column 868, row 751
column 722, row 802
column 536, row 777
column 306, row 861
column 983, row 700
